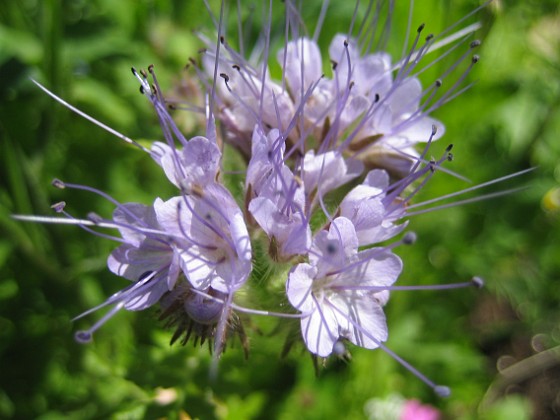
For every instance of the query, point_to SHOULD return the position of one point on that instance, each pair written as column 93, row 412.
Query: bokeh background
column 498, row 348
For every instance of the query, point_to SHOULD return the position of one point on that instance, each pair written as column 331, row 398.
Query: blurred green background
column 498, row 348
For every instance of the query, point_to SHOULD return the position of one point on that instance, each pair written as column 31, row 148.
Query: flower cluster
column 332, row 170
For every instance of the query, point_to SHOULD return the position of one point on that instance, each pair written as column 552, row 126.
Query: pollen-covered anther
column 57, row 183
column 477, row 282
column 475, row 59
column 59, row 207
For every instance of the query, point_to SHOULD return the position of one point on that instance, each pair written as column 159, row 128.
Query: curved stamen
column 89, row 118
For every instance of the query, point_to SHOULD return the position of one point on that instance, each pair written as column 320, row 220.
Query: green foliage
column 83, row 50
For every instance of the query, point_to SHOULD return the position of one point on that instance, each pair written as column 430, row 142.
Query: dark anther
column 409, row 238
column 225, row 77
column 151, row 68
column 346, row 43
column 475, row 44
column 432, row 165
column 334, row 64
column 421, row 28
column 236, row 67
column 450, row 157
column 434, row 129
column 475, row 59
column 133, row 71
column 201, row 51
column 142, row 91
column 377, row 97
column 351, row 85
column 448, row 148
column 82, row 337
column 192, row 61
column 222, row 39
column 143, row 73
column 429, row 37
column 438, row 83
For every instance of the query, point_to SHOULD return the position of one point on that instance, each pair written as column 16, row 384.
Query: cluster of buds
column 332, row 171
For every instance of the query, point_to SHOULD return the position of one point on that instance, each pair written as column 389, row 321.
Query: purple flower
column 246, row 96
column 196, row 165
column 340, row 292
column 308, row 140
column 368, row 106
column 217, row 249
column 366, row 206
column 144, row 254
column 148, row 257
column 276, row 197
column 324, row 172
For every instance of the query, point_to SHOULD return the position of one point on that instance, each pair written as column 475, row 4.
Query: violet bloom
column 338, row 291
column 217, row 248
column 325, row 172
column 367, row 207
column 206, row 218
column 303, row 136
column 197, row 164
column 246, row 96
column 276, row 197
column 148, row 255
column 367, row 106
column 144, row 253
